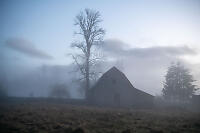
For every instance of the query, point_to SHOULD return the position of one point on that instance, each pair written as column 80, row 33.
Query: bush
column 59, row 91
column 3, row 92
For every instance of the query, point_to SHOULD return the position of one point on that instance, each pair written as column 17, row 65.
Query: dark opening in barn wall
column 114, row 81
column 116, row 99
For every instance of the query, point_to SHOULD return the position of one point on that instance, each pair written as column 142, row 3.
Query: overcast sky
column 142, row 36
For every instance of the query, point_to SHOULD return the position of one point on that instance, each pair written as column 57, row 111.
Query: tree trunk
column 90, row 31
column 87, row 72
column 87, row 78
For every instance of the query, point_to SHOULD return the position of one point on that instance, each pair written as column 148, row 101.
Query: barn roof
column 114, row 72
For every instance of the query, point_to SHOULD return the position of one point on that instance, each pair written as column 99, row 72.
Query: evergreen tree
column 178, row 85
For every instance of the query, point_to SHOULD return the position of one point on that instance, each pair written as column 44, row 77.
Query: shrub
column 59, row 91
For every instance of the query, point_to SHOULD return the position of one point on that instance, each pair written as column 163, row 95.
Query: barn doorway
column 116, row 99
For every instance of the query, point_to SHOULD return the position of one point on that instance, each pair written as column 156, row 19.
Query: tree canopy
column 90, row 34
column 178, row 85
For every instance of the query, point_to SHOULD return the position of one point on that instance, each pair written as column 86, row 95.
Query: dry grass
column 46, row 117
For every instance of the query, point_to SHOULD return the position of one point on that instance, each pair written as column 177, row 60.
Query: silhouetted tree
column 91, row 34
column 178, row 85
column 59, row 91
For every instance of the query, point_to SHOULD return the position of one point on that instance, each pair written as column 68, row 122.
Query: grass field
column 54, row 117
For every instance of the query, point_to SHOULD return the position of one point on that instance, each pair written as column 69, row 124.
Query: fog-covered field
column 47, row 116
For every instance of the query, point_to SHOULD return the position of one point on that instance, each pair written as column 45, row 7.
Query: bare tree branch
column 88, row 23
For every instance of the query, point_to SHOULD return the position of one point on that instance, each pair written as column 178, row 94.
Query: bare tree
column 91, row 34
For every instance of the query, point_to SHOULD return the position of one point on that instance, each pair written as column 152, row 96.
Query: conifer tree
column 178, row 85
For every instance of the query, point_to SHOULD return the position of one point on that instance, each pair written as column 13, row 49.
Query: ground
column 46, row 116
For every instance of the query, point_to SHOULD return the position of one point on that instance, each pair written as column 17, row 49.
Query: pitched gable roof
column 116, row 74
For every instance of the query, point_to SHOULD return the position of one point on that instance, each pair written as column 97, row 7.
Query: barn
column 115, row 90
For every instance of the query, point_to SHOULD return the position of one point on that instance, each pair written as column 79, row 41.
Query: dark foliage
column 178, row 85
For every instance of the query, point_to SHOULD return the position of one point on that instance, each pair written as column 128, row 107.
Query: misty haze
column 100, row 66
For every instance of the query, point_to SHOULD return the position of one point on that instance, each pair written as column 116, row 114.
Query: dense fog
column 36, row 38
column 21, row 79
